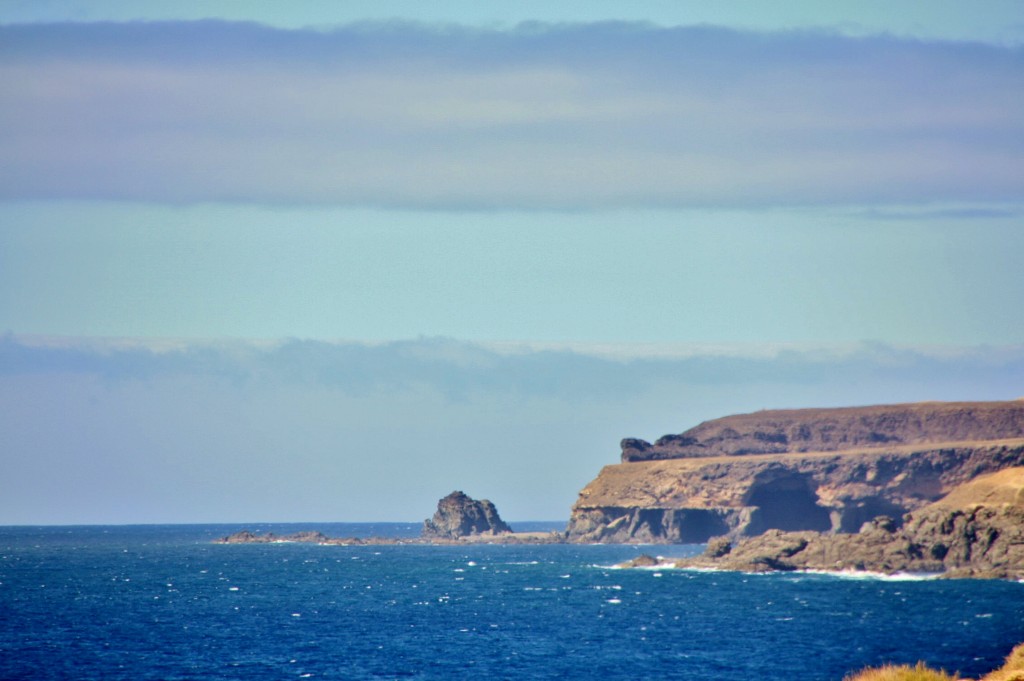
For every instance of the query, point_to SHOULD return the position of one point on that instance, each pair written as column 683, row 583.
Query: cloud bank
column 457, row 371
column 567, row 116
column 115, row 432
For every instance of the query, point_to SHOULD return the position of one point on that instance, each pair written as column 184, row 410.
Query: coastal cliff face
column 823, row 470
column 977, row 530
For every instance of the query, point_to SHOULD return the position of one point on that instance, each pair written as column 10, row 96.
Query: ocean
column 163, row 602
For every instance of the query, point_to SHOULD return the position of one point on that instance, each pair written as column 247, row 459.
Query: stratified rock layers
column 876, row 461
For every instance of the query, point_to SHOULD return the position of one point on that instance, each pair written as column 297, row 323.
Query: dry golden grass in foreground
column 1012, row 670
column 901, row 673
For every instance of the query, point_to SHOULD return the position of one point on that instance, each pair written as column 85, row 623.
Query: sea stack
column 459, row 516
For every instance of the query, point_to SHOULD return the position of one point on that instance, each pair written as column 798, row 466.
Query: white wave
column 667, row 565
column 869, row 575
column 839, row 574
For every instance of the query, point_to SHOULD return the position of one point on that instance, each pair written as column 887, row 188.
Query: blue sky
column 509, row 235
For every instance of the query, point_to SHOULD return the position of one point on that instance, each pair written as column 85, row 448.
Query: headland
column 932, row 487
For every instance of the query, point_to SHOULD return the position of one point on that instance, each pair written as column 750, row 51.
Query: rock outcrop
column 977, row 530
column 306, row 537
column 460, row 516
column 459, row 520
column 820, row 470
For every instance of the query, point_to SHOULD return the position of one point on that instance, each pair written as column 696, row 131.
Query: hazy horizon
column 328, row 263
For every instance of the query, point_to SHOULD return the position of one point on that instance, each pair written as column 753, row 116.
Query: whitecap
column 656, row 568
column 879, row 576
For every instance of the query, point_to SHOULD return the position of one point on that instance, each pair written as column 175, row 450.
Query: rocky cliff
column 824, row 470
column 977, row 530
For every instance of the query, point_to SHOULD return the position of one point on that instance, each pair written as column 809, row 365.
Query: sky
column 330, row 261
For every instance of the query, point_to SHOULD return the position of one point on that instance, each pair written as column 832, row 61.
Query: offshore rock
column 459, row 520
column 460, row 516
column 748, row 474
column 248, row 537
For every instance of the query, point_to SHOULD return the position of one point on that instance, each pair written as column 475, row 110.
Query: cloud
column 972, row 213
column 98, row 431
column 565, row 116
column 460, row 371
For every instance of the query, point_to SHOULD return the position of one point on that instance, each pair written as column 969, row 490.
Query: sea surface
column 163, row 602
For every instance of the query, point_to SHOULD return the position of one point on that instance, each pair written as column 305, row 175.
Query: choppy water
column 161, row 602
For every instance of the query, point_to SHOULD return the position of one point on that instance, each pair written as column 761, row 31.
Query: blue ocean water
column 162, row 602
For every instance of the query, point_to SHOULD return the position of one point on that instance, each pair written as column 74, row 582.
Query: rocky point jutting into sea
column 459, row 519
column 930, row 487
column 824, row 470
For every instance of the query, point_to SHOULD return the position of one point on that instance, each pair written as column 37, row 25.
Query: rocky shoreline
column 869, row 489
column 459, row 519
column 533, row 538
column 976, row 531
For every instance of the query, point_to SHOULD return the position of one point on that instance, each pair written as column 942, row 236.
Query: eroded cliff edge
column 824, row 470
column 977, row 530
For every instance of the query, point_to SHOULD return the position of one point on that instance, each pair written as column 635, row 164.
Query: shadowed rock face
column 460, row 516
column 977, row 530
column 749, row 474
